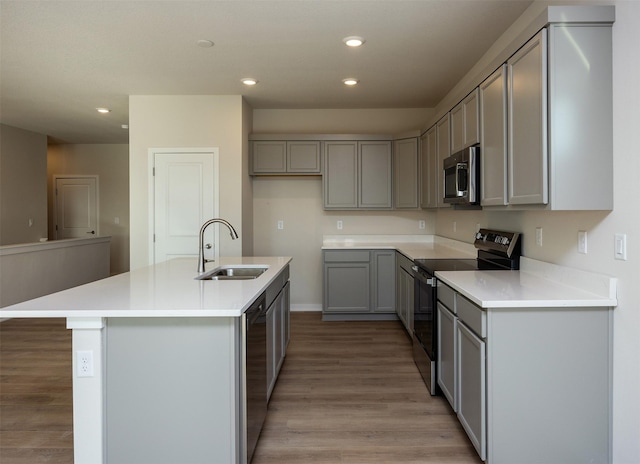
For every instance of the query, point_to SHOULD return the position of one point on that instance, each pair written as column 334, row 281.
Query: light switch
column 280, row 225
column 620, row 247
column 539, row 236
column 582, row 242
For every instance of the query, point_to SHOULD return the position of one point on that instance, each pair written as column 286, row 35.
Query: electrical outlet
column 339, row 225
column 455, row 226
column 84, row 363
column 421, row 225
column 280, row 225
column 539, row 236
column 582, row 242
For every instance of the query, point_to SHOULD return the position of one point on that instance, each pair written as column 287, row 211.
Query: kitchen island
column 158, row 360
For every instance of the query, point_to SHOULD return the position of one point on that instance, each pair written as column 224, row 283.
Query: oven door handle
column 431, row 281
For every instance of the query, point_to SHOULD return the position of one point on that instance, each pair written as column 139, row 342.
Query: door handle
column 208, row 246
column 93, row 232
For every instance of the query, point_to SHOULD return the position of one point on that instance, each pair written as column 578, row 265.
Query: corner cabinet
column 429, row 177
column 558, row 127
column 405, row 173
column 279, row 157
column 357, row 175
column 358, row 284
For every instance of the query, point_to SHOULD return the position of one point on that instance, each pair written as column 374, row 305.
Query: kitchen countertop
column 163, row 290
column 535, row 285
column 412, row 246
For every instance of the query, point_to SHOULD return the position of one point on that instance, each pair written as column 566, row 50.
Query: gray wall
column 23, row 186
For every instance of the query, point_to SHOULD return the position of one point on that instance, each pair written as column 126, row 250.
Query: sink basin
column 233, row 273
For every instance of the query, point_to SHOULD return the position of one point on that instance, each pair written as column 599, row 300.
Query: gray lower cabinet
column 404, row 291
column 357, row 175
column 278, row 333
column 280, row 157
column 523, row 377
column 358, row 284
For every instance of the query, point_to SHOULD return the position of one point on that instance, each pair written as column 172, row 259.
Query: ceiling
column 60, row 60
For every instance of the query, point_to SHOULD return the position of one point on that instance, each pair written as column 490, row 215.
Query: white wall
column 171, row 121
column 110, row 162
column 23, row 186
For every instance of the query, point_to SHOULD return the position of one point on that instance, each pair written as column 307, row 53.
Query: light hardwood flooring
column 348, row 393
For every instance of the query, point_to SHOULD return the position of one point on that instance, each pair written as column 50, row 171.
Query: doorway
column 76, row 206
column 185, row 192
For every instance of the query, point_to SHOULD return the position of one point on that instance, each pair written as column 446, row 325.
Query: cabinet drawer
column 337, row 256
column 446, row 295
column 473, row 316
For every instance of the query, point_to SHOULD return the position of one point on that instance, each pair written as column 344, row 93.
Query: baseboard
column 306, row 307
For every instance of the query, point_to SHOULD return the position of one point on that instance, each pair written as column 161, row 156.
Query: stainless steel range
column 497, row 250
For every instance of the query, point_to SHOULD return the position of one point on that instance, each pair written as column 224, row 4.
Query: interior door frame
column 54, row 195
column 151, row 153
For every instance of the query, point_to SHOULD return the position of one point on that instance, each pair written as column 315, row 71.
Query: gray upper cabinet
column 405, row 173
column 465, row 123
column 528, row 174
column 443, row 149
column 493, row 139
column 285, row 157
column 357, row 174
column 429, row 174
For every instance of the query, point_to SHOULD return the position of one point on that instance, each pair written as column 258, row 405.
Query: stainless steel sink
column 233, row 273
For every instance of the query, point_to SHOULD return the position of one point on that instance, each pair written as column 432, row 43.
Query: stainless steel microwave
column 462, row 177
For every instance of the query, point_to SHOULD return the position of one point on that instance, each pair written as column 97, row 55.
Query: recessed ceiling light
column 249, row 81
column 103, row 110
column 350, row 81
column 204, row 43
column 353, row 41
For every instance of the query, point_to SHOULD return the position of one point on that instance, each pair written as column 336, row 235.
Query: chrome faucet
column 201, row 260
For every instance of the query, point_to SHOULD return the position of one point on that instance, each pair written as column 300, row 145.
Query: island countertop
column 167, row 289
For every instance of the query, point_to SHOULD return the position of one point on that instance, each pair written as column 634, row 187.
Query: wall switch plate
column 455, row 226
column 339, row 225
column 421, row 225
column 620, row 247
column 582, row 242
column 280, row 225
column 539, row 236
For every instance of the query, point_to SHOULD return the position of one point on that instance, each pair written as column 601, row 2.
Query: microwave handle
column 459, row 167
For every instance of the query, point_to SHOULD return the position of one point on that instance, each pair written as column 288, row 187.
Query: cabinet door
column 374, row 171
column 447, row 338
column 443, row 148
column 271, row 338
column 346, row 287
column 457, row 128
column 528, row 174
column 472, row 378
column 493, row 139
column 430, row 175
column 340, row 175
column 384, row 281
column 471, row 119
column 269, row 157
column 303, row 157
column 405, row 173
column 286, row 319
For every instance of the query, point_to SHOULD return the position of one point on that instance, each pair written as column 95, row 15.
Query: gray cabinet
column 405, row 291
column 465, row 129
column 556, row 130
column 357, row 175
column 493, row 139
column 443, row 150
column 282, row 157
column 429, row 173
column 405, row 173
column 446, row 353
column 358, row 284
column 278, row 327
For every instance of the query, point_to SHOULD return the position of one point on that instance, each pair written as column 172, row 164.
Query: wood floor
column 348, row 393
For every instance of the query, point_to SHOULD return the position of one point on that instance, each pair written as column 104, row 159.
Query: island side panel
column 549, row 389
column 172, row 390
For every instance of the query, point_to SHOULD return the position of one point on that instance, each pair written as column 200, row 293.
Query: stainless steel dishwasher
column 255, row 372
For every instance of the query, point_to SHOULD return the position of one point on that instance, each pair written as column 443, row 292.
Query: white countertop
column 165, row 290
column 412, row 246
column 535, row 285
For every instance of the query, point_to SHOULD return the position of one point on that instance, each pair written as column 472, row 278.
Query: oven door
column 424, row 320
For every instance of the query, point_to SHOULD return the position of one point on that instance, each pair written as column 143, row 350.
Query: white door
column 76, row 207
column 185, row 196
